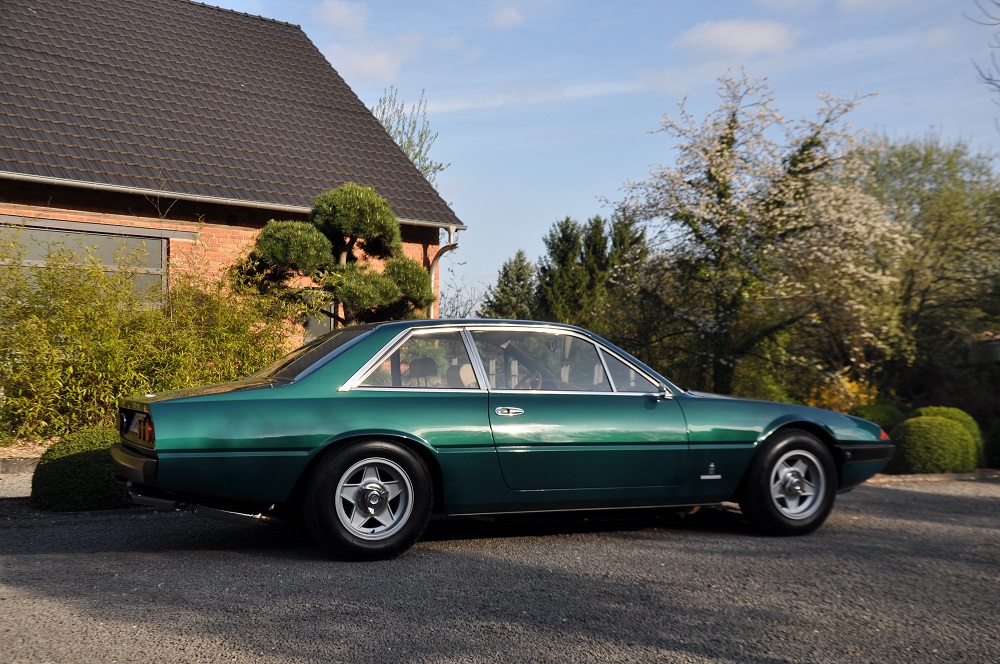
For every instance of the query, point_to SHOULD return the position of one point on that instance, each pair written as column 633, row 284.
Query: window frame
column 482, row 375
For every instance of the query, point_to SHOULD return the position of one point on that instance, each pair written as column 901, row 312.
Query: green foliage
column 414, row 283
column 513, row 296
column 76, row 336
column 287, row 246
column 76, row 474
column 349, row 227
column 932, row 445
column 884, row 415
column 991, row 446
column 957, row 415
column 355, row 217
column 763, row 229
column 944, row 198
column 399, row 292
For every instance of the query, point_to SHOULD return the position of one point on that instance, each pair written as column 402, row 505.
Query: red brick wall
column 224, row 233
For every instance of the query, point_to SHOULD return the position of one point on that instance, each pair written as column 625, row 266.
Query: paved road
column 903, row 572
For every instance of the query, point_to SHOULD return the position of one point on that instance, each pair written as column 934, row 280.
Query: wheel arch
column 821, row 432
column 420, row 448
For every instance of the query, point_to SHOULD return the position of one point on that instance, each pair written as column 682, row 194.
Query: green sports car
column 367, row 431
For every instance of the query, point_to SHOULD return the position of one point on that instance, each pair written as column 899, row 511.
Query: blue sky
column 545, row 108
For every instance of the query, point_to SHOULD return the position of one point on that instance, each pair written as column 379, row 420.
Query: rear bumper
column 132, row 465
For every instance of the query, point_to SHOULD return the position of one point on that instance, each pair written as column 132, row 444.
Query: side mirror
column 664, row 394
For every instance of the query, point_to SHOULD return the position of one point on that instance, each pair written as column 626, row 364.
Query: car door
column 559, row 422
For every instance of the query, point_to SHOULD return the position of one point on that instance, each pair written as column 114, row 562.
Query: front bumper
column 858, row 462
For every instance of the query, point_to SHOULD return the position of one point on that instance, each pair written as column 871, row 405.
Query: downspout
column 451, row 246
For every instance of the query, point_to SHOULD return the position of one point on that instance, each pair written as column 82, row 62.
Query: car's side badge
column 711, row 473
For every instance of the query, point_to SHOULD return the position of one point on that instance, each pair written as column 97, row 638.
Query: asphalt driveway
column 904, row 571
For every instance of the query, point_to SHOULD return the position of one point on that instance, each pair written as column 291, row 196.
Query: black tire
column 790, row 486
column 370, row 500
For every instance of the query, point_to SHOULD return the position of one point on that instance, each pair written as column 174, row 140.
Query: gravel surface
column 15, row 485
column 904, row 571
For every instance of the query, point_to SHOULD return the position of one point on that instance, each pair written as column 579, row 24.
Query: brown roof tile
column 177, row 96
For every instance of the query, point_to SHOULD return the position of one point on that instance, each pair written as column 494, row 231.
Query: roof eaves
column 197, row 198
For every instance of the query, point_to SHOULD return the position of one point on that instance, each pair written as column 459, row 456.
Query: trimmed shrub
column 884, row 415
column 76, row 474
column 931, row 444
column 956, row 415
column 294, row 245
column 991, row 447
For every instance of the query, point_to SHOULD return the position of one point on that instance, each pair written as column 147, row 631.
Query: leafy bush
column 841, row 393
column 76, row 336
column 991, row 446
column 76, row 474
column 884, row 415
column 956, row 415
column 931, row 444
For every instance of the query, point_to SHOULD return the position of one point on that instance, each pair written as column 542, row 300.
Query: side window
column 434, row 361
column 625, row 378
column 528, row 360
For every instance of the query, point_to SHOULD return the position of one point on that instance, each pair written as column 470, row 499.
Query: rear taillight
column 883, row 435
column 137, row 425
column 145, row 429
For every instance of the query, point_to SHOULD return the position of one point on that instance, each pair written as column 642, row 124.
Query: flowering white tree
column 761, row 226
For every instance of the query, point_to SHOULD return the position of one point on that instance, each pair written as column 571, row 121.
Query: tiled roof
column 177, row 96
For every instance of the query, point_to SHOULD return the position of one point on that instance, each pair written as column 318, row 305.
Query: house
column 184, row 128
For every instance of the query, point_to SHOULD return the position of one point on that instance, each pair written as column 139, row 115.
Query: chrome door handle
column 508, row 412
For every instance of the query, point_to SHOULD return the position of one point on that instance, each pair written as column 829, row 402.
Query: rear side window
column 431, row 361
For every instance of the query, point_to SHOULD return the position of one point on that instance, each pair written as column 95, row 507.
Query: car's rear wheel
column 370, row 500
column 790, row 486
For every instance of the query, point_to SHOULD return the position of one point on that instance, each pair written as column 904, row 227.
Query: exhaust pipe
column 199, row 510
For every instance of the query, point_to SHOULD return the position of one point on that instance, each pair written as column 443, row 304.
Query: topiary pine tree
column 346, row 224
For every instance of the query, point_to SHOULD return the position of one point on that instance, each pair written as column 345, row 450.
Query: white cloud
column 531, row 96
column 342, row 15
column 738, row 37
column 370, row 61
column 507, row 17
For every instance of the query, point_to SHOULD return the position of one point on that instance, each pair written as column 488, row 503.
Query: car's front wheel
column 790, row 486
column 368, row 501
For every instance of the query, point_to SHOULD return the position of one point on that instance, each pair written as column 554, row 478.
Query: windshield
column 289, row 367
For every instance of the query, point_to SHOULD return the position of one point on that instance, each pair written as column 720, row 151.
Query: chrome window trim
column 353, row 383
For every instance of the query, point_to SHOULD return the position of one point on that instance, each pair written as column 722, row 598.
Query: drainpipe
column 451, row 246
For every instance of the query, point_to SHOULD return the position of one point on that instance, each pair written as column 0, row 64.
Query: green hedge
column 76, row 474
column 76, row 336
column 931, row 444
column 956, row 415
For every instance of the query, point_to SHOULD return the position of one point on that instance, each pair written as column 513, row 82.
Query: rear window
column 327, row 346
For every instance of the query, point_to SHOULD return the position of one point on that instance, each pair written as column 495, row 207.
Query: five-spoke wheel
column 369, row 500
column 790, row 486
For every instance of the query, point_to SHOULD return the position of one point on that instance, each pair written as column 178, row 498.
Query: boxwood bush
column 884, row 415
column 932, row 444
column 960, row 416
column 76, row 474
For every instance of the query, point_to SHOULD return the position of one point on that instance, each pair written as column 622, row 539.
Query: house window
column 148, row 247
